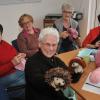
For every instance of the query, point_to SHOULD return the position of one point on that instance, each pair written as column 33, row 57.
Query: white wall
column 9, row 14
column 97, row 12
column 82, row 6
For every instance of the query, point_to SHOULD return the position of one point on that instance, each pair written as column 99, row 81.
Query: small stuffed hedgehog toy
column 58, row 78
column 76, row 68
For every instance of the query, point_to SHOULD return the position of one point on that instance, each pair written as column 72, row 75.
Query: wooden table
column 78, row 86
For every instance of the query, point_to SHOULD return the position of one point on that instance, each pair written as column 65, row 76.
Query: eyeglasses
column 25, row 23
column 69, row 12
column 49, row 45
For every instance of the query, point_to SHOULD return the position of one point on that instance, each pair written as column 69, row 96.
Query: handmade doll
column 58, row 78
column 76, row 68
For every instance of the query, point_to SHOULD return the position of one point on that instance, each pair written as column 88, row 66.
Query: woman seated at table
column 69, row 30
column 9, row 58
column 39, row 63
column 28, row 38
column 92, row 40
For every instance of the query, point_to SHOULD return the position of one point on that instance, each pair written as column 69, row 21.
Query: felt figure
column 76, row 68
column 76, row 65
column 58, row 78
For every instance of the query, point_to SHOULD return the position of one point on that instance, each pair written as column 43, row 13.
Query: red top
column 7, row 52
column 91, row 36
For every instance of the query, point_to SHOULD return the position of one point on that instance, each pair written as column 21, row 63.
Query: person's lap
column 3, row 93
column 14, row 79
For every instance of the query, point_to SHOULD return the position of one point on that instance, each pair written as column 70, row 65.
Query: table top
column 66, row 57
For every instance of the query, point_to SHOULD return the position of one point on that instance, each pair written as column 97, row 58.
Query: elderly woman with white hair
column 39, row 63
column 68, row 29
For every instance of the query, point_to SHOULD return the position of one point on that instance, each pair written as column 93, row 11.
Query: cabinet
column 50, row 18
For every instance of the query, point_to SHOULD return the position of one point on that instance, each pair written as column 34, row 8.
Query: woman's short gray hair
column 67, row 7
column 48, row 31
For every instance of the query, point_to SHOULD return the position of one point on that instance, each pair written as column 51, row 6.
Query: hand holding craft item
column 73, row 33
column 21, row 66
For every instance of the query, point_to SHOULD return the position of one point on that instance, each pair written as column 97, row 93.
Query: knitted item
column 73, row 32
column 77, row 60
column 21, row 66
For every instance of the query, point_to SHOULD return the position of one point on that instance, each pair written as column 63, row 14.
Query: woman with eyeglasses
column 69, row 30
column 37, row 65
column 28, row 38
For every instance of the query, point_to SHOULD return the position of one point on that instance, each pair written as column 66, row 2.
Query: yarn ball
column 21, row 65
column 95, row 76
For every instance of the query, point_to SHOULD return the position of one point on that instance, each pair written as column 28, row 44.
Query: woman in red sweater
column 92, row 40
column 9, row 58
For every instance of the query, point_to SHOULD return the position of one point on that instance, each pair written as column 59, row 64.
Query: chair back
column 15, row 45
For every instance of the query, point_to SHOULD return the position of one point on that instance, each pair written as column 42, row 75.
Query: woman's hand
column 64, row 34
column 17, row 59
column 97, row 44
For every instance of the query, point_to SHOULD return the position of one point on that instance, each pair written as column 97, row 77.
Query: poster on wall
column 9, row 2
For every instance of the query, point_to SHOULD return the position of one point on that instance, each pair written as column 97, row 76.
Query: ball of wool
column 95, row 76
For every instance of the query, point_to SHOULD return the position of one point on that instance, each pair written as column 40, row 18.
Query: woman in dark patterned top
column 67, row 27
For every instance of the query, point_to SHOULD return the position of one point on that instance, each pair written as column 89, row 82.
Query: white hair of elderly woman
column 48, row 31
column 67, row 7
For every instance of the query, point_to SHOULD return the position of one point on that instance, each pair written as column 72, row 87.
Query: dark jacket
column 36, row 87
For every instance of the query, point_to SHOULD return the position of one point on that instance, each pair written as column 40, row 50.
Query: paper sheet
column 88, row 86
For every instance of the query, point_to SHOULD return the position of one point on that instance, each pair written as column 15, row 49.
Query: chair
column 14, row 44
